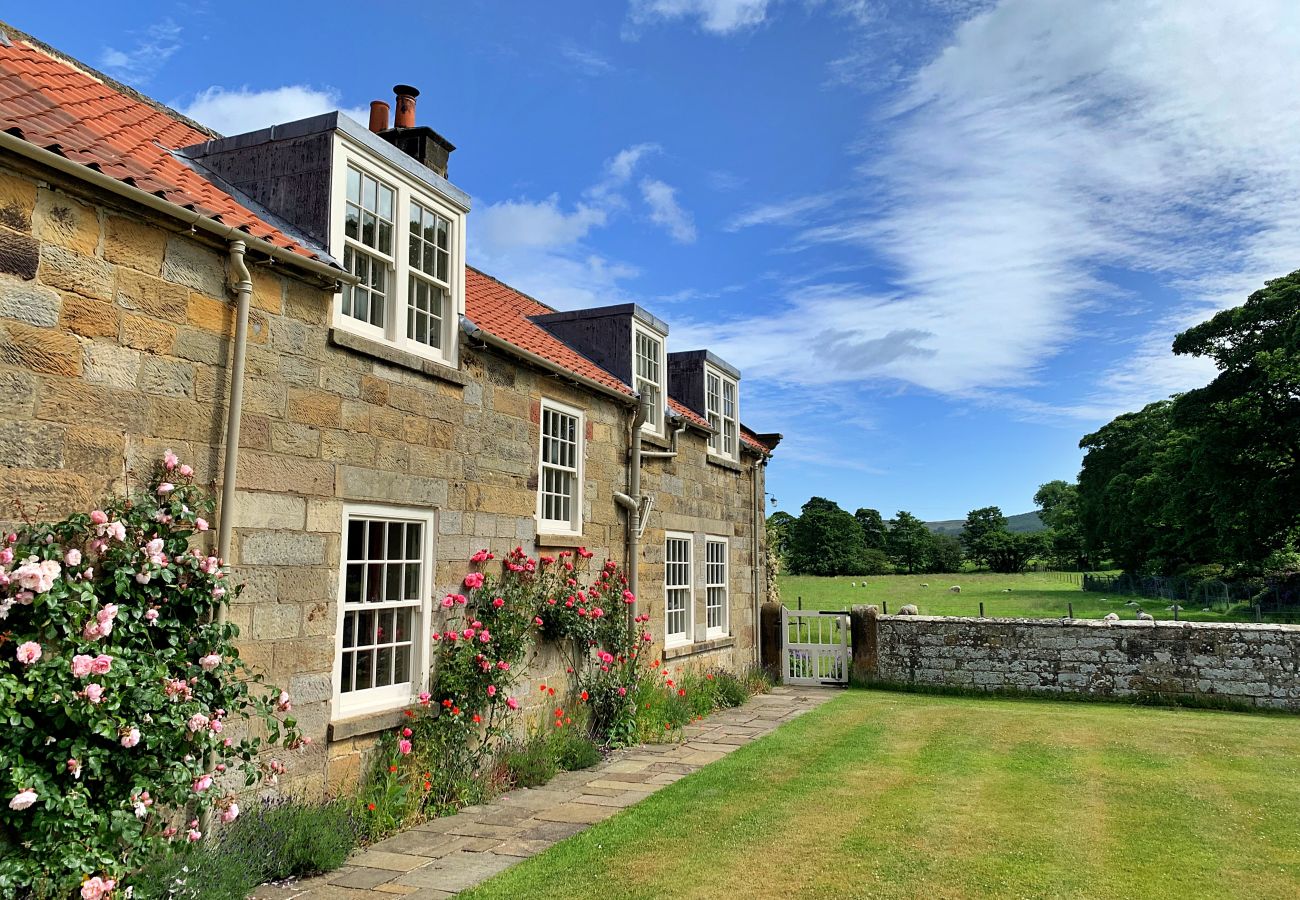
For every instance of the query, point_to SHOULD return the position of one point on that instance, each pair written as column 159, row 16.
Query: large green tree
column 979, row 524
column 1058, row 507
column 945, row 553
column 873, row 528
column 826, row 540
column 909, row 542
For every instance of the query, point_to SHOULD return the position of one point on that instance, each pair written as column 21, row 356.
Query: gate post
column 769, row 632
column 863, row 626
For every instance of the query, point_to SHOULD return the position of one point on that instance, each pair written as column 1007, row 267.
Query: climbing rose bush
column 124, row 706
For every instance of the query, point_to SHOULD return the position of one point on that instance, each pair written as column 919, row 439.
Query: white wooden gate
column 814, row 647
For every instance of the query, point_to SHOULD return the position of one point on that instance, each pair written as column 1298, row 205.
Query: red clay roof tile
column 50, row 102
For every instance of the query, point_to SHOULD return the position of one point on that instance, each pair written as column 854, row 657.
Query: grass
column 1037, row 596
column 893, row 795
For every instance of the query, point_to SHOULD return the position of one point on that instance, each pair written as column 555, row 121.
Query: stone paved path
column 447, row 855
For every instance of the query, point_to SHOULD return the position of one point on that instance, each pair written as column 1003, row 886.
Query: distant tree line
column 1208, row 479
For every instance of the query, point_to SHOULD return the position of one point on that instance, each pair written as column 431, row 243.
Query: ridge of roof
column 7, row 30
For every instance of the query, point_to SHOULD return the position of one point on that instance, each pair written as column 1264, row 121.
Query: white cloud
column 666, row 212
column 785, row 212
column 237, row 110
column 157, row 44
column 715, row 16
column 538, row 245
column 1045, row 148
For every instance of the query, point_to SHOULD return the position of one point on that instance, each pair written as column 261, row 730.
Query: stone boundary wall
column 1256, row 665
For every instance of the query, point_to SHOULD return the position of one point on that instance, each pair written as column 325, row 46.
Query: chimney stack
column 405, row 105
column 378, row 116
column 417, row 141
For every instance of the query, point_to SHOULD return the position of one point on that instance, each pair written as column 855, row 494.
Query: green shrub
column 574, row 748
column 280, row 838
column 274, row 840
column 731, row 690
column 533, row 762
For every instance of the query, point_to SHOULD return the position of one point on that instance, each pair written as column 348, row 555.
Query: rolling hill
column 1024, row 522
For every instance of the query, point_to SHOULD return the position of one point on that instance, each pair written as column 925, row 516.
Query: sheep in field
column 1110, row 617
column 1144, row 616
column 909, row 610
column 955, row 589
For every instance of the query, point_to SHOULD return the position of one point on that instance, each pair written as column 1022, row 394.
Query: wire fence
column 1265, row 595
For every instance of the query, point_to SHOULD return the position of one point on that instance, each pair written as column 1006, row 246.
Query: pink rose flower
column 72, row 557
column 498, row 603
column 170, row 461
column 131, row 738
column 537, row 620
column 82, row 665
column 425, row 696
column 185, row 471
column 151, row 616
column 282, row 702
column 512, row 703
column 101, row 664
column 97, row 888
column 94, row 693
column 194, row 836
column 166, row 487
column 474, row 580
column 98, row 517
column 230, row 813
column 404, row 746
column 29, row 652
column 447, row 601
column 210, row 662
column 201, row 523
column 198, row 722
column 202, row 783
column 491, row 690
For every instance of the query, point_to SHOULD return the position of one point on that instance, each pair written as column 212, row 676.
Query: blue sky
column 942, row 240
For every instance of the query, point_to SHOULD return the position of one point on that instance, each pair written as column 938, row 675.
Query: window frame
column 717, row 439
column 661, row 387
column 725, row 585
column 575, row 523
column 344, row 705
column 682, row 638
column 348, row 154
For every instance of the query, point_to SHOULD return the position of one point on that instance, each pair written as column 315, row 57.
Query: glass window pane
column 364, row 668
column 354, row 185
column 385, row 241
column 349, row 629
column 369, row 187
column 356, row 542
column 414, row 534
column 353, row 583
column 385, row 203
column 351, row 218
column 402, row 625
column 345, row 677
column 402, row 664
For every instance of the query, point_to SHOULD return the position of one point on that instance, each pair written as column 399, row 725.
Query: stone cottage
column 294, row 306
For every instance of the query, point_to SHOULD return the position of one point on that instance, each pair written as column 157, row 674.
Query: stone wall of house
column 702, row 496
column 115, row 334
column 1257, row 665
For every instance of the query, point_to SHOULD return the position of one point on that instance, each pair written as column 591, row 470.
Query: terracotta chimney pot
column 378, row 115
column 405, row 105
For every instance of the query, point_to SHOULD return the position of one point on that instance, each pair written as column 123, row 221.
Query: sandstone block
column 17, row 201
column 263, row 510
column 104, row 363
column 166, row 378
column 314, row 407
column 69, row 223
column 151, row 296
column 210, row 314
column 187, row 262
column 29, row 303
column 39, row 349
column 145, row 333
column 357, row 483
column 275, row 622
column 31, row 445
column 296, row 440
column 285, row 474
column 88, row 318
column 134, row 244
column 281, row 548
column 63, row 269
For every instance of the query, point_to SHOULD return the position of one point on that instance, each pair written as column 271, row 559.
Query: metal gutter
column 193, row 220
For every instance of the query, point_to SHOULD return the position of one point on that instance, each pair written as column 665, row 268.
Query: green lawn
column 1031, row 596
column 880, row 794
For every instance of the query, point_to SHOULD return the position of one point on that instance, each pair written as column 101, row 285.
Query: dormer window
column 404, row 244
column 649, row 375
column 720, row 400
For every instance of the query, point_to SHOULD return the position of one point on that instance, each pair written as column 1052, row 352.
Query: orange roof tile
column 503, row 311
column 52, row 103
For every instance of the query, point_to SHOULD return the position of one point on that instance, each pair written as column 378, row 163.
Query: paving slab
column 444, row 856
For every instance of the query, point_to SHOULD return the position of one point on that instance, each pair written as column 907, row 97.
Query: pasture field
column 891, row 795
column 1033, row 595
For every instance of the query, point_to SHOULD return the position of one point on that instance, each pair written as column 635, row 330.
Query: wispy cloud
column 153, row 47
column 793, row 211
column 1043, row 152
column 715, row 16
column 237, row 110
column 586, row 62
column 666, row 212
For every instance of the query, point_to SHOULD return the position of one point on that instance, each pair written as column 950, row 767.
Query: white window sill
column 724, row 462
column 349, row 340
column 677, row 651
column 355, row 724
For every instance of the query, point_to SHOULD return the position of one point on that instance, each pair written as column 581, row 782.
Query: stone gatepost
column 864, row 632
column 770, row 637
